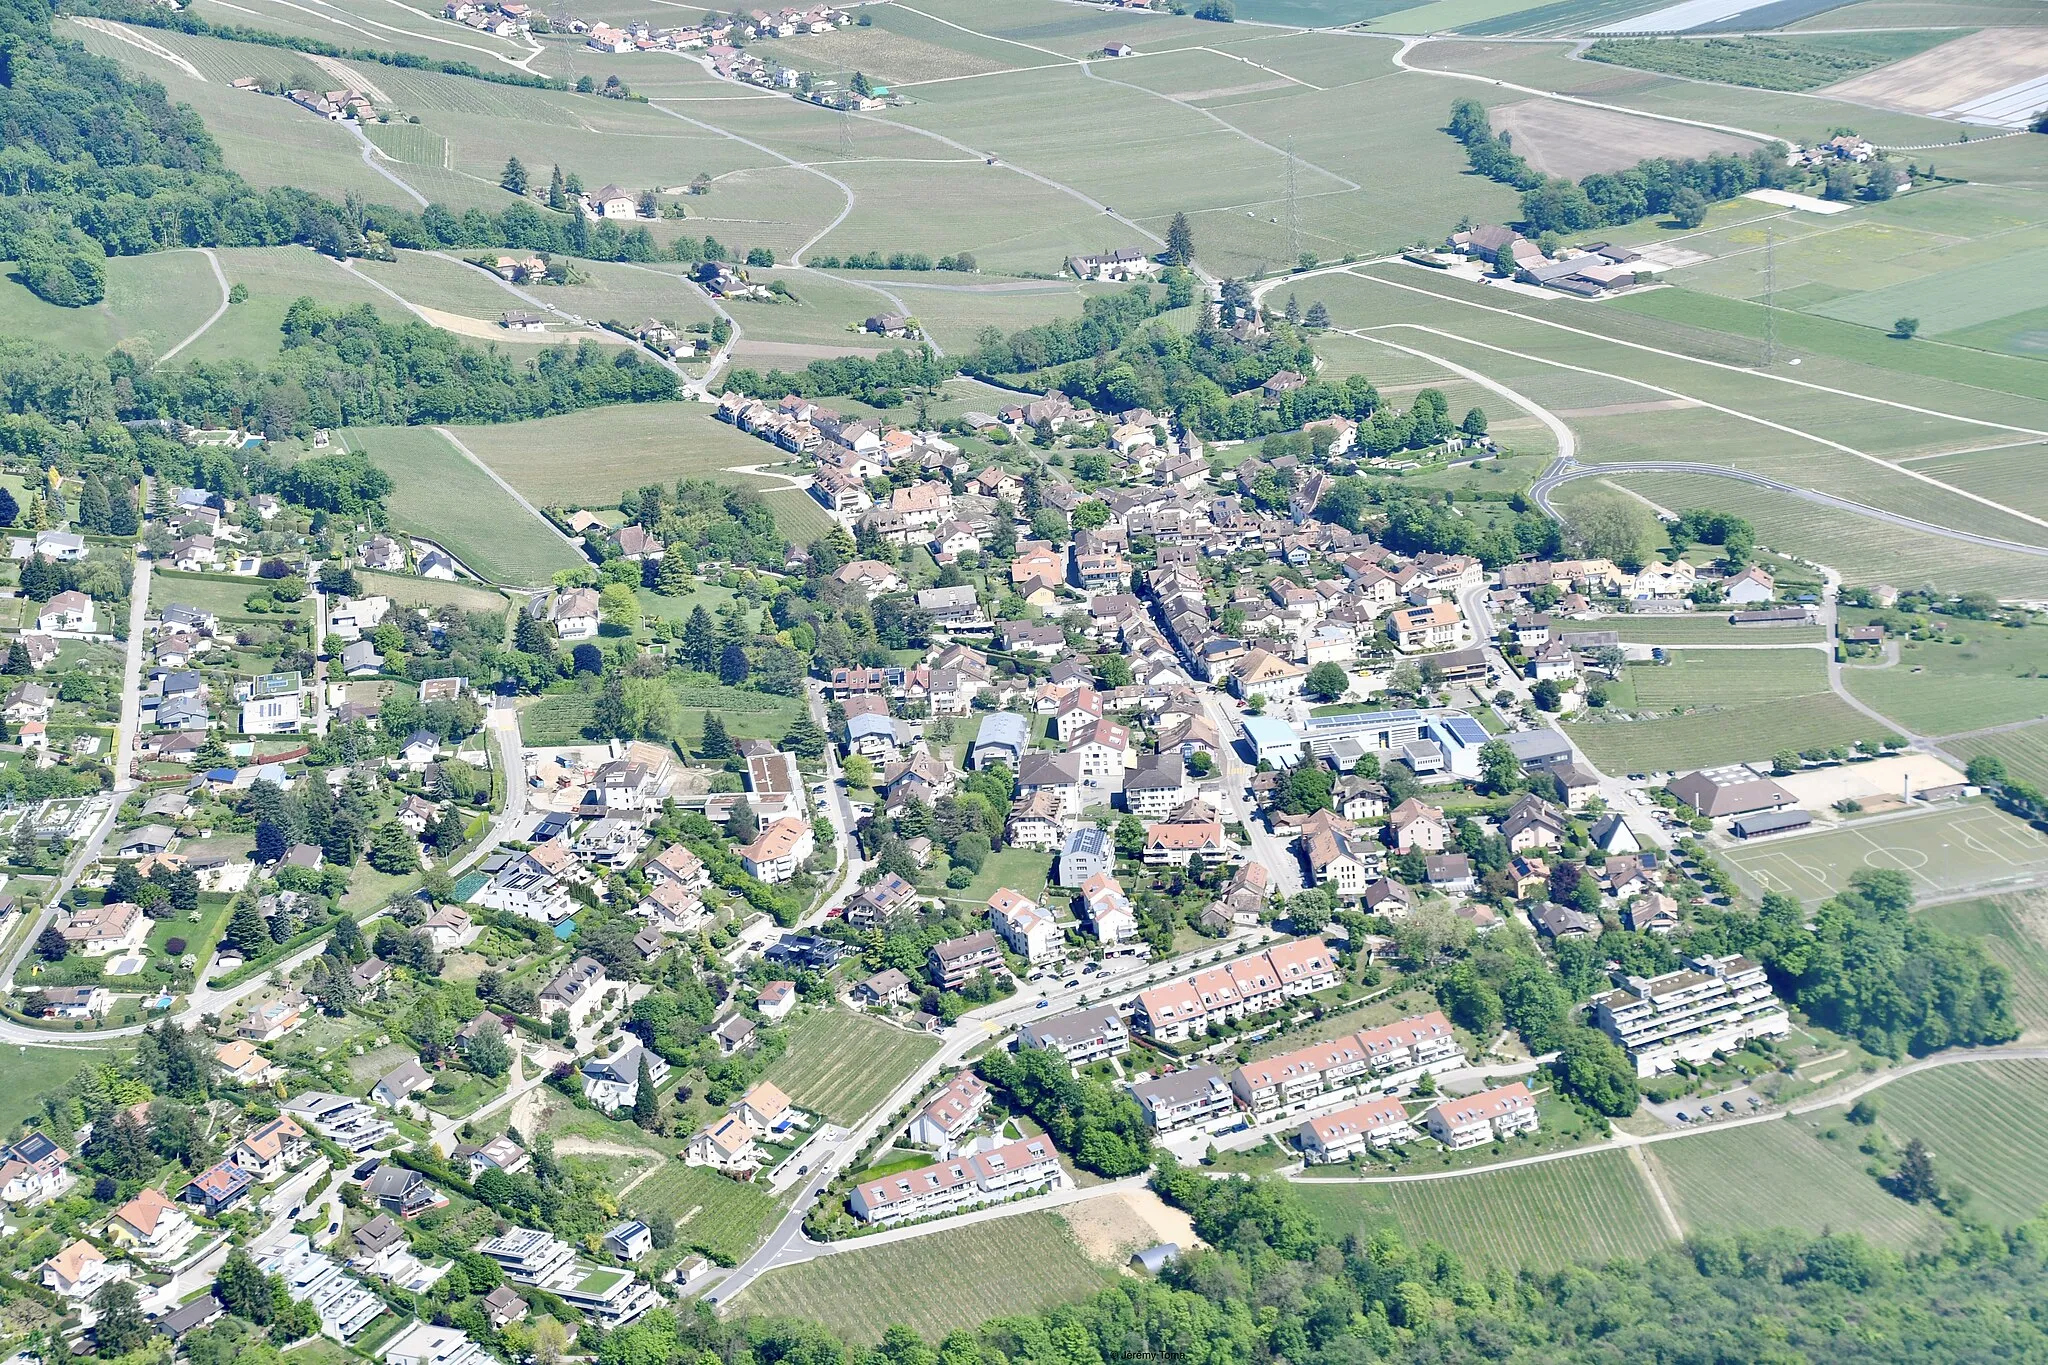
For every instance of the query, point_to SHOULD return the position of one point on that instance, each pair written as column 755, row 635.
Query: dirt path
column 147, row 44
column 200, row 330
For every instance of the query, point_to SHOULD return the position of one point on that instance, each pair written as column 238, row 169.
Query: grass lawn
column 936, row 1283
column 407, row 591
column 722, row 1218
column 1541, row 1217
column 32, row 1071
column 1782, row 1175
column 150, row 306
column 445, row 497
column 1020, row 869
column 1943, row 851
column 1975, row 674
column 617, row 448
column 1708, row 629
column 222, row 596
column 465, row 1092
column 842, row 1065
column 559, row 717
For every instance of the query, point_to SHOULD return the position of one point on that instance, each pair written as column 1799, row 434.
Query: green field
column 442, row 495
column 1706, row 628
column 152, row 304
column 842, row 1065
column 1977, row 673
column 34, row 1071
column 1982, row 1121
column 1944, row 851
column 614, row 449
column 559, row 717
column 935, row 1284
column 1722, row 706
column 225, row 597
column 2024, row 750
column 2014, row 931
column 1780, row 1175
column 723, row 1218
column 432, row 592
column 1556, row 1213
column 1766, row 63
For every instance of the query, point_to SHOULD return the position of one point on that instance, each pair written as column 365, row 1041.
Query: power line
column 1770, row 295
column 1293, row 205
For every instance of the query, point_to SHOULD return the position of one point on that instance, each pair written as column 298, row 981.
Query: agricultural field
column 934, row 1284
column 2024, row 750
column 1963, row 77
column 275, row 278
column 1767, row 63
column 616, row 448
column 1721, row 706
column 722, row 1217
column 2014, row 931
column 1976, row 672
column 441, row 494
column 1981, row 1120
column 1541, row 1217
column 842, row 1065
column 1572, row 141
column 1943, row 851
column 1779, row 1174
column 1707, row 628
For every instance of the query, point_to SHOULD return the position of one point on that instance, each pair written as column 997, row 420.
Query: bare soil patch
column 480, row 330
column 1953, row 74
column 1626, row 409
column 1109, row 1229
column 1572, row 141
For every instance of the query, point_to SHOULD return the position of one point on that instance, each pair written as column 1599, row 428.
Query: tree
column 1317, row 319
column 1546, row 696
column 10, row 510
column 733, row 666
column 715, row 742
column 1689, row 208
column 242, row 1288
column 1905, row 329
column 741, row 824
column 1328, row 679
column 617, row 607
column 50, row 944
column 1915, row 1181
column 804, row 738
column 1499, row 769
column 247, row 930
column 393, row 851
column 1986, row 770
column 120, row 1328
column 587, row 658
column 513, row 181
column 646, row 1104
column 1475, row 423
column 858, row 770
column 1130, row 837
column 1592, row 1068
column 1180, row 241
column 1616, row 528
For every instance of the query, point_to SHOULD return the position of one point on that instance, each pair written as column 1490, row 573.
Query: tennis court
column 1960, row 848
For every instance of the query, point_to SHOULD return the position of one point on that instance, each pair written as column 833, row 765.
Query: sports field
column 1983, row 1123
column 935, row 1284
column 1540, row 1217
column 722, row 1217
column 1781, row 1175
column 1944, row 851
column 842, row 1065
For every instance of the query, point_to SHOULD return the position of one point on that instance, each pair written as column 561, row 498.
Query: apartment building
column 1475, row 1119
column 1179, row 1099
column 527, row 1256
column 1712, row 1004
column 780, row 851
column 345, row 1304
column 958, row 960
column 1337, row 1135
column 1025, row 925
column 962, row 1183
column 951, row 1115
column 1250, row 985
column 1080, row 1036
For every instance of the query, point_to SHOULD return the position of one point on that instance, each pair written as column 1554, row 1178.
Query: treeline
column 1107, row 321
column 870, row 380
column 1417, row 522
column 1868, row 969
column 1101, row 1127
column 1655, row 185
column 185, row 21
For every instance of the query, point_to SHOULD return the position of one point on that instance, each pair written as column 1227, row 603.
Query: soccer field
column 1944, row 851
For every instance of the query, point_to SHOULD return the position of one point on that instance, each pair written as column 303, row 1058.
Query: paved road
column 1564, row 471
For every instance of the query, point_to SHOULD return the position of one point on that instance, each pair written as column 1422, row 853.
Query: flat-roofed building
column 1712, row 1004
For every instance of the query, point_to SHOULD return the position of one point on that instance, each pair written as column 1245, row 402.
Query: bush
column 175, row 947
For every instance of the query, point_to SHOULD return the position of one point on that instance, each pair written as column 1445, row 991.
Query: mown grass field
column 616, row 448
column 559, row 717
column 2014, row 931
column 152, row 304
column 33, row 1071
column 1983, row 1123
column 442, row 495
column 1781, row 1175
column 1977, row 674
column 935, row 1284
column 1707, row 628
column 1943, row 851
column 1557, row 1213
column 222, row 597
column 842, row 1065
column 723, row 1218
column 406, row 590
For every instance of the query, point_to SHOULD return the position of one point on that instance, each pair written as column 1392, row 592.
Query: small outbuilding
column 1154, row 1259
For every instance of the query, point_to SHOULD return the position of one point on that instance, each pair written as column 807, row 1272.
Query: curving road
column 1566, row 470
